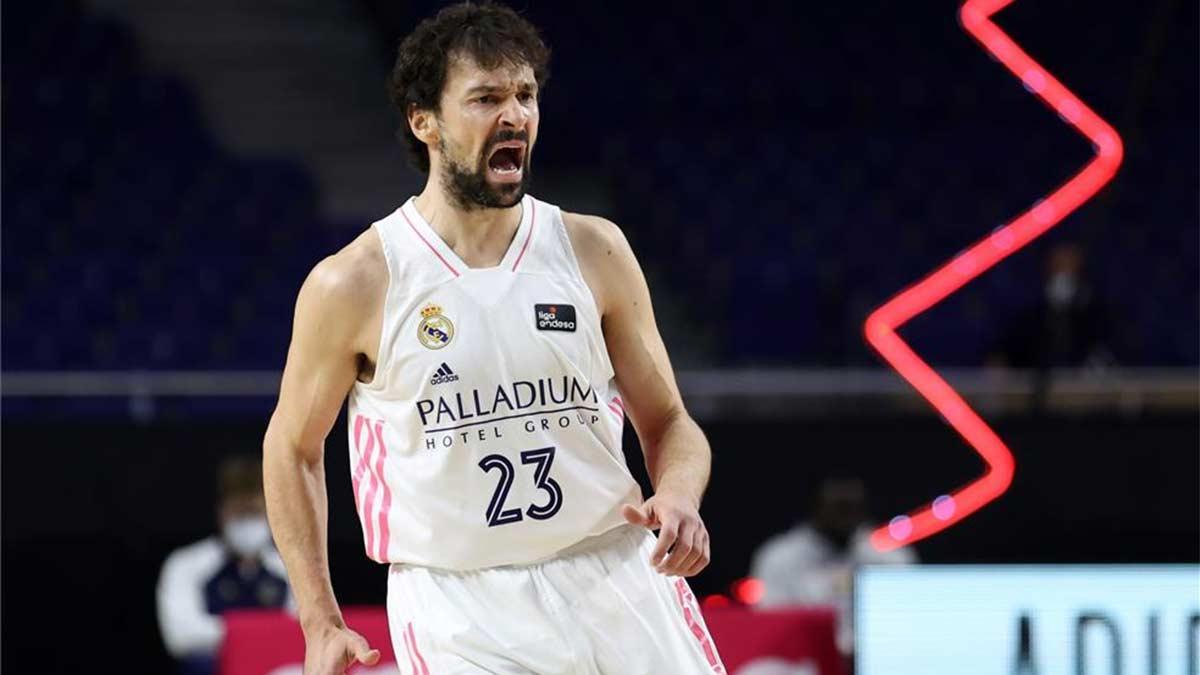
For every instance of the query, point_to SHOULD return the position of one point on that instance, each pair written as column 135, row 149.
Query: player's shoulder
column 600, row 245
column 590, row 231
column 356, row 272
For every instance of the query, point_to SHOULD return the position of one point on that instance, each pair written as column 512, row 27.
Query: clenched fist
column 334, row 649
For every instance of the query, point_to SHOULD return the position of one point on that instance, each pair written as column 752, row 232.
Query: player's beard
column 470, row 189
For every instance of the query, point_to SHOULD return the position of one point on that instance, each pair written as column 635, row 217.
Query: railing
column 758, row 393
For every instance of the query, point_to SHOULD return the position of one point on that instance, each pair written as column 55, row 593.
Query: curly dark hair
column 491, row 34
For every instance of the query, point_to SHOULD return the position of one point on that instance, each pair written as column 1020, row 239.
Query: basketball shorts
column 597, row 608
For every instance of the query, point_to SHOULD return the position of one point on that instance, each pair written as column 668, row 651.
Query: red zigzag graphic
column 881, row 325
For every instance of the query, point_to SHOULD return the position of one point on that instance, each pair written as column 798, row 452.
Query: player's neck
column 480, row 237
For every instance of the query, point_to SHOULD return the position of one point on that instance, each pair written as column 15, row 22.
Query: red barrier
column 259, row 642
column 777, row 641
column 783, row 642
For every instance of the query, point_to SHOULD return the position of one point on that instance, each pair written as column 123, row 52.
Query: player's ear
column 423, row 123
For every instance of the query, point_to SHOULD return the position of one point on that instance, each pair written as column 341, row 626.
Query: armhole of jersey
column 383, row 353
column 573, row 260
column 577, row 272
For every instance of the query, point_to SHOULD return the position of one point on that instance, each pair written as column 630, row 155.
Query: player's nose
column 513, row 114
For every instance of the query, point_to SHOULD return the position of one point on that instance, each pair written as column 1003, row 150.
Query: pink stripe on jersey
column 417, row 650
column 361, row 465
column 365, row 509
column 532, row 222
column 687, row 602
column 616, row 405
column 412, row 661
column 386, row 504
column 431, row 248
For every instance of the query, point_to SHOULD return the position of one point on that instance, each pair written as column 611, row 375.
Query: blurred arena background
column 172, row 170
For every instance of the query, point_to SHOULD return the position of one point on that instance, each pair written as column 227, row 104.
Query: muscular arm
column 678, row 457
column 333, row 316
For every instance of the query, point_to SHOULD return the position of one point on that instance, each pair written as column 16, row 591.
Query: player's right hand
column 335, row 649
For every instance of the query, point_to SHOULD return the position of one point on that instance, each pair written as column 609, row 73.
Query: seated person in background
column 238, row 569
column 1067, row 327
column 813, row 563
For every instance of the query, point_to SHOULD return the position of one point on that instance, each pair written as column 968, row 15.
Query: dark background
column 85, row 534
column 780, row 168
column 796, row 162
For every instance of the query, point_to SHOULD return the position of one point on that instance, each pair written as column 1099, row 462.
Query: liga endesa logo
column 555, row 317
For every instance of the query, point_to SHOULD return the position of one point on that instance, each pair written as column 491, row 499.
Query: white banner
column 1044, row 619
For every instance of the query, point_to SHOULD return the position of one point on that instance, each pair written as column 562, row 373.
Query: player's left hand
column 683, row 547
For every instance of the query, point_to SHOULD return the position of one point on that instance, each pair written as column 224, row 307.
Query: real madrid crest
column 435, row 330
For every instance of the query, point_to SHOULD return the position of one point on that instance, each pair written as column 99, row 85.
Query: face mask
column 247, row 536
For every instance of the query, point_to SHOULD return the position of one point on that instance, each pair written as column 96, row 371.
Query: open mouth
column 506, row 160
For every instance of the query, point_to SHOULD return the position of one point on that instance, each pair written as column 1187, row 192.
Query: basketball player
column 491, row 345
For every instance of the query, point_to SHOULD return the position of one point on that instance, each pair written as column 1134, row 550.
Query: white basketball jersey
column 491, row 432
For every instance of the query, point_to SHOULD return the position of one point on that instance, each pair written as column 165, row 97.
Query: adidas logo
column 443, row 375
